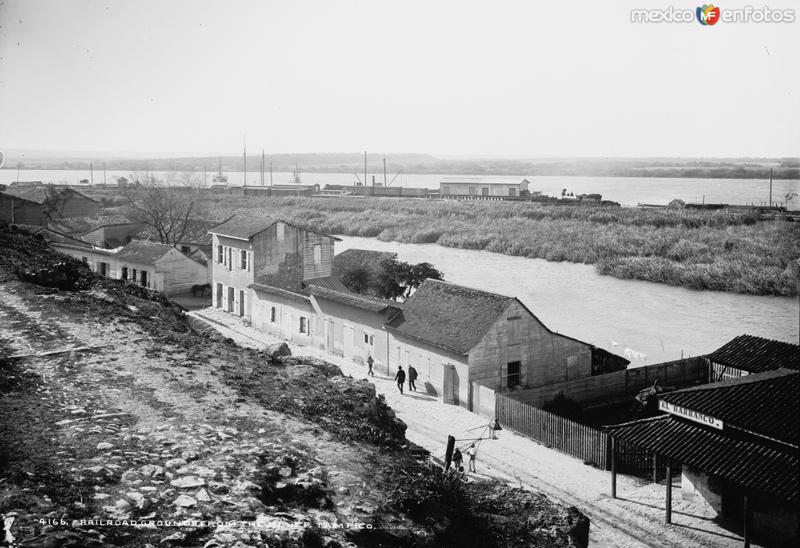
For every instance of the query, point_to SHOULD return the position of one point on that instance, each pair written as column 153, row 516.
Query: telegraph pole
column 262, row 167
column 384, row 170
column 770, row 187
column 245, row 159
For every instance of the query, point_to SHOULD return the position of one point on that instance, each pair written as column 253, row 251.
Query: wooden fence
column 578, row 440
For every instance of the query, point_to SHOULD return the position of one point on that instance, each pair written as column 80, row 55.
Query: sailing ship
column 219, row 177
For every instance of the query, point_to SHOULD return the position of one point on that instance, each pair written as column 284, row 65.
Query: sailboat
column 219, row 177
column 295, row 180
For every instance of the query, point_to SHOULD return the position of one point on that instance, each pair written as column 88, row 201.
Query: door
column 241, row 303
column 231, row 294
column 450, row 388
column 144, row 278
column 219, row 295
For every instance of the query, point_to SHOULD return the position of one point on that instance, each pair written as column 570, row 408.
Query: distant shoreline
column 779, row 174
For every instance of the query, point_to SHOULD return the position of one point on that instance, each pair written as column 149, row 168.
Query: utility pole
column 245, row 159
column 104, row 173
column 91, row 173
column 270, row 173
column 365, row 168
column 262, row 167
column 770, row 187
column 384, row 170
column 205, row 182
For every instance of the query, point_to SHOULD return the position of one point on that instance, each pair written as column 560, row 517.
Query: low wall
column 617, row 384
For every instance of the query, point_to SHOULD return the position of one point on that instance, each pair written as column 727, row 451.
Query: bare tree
column 164, row 206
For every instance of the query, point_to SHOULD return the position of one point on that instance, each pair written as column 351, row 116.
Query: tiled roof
column 449, row 316
column 756, row 354
column 767, row 404
column 364, row 302
column 82, row 225
column 243, row 226
column 54, row 236
column 196, row 232
column 39, row 194
column 143, row 252
column 360, row 257
column 747, row 463
column 327, row 282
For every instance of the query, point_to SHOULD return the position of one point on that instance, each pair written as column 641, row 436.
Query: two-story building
column 251, row 253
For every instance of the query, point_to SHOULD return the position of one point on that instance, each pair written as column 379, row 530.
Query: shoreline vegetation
column 714, row 250
column 416, row 164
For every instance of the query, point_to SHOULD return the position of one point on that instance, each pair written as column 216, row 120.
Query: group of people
column 458, row 458
column 400, row 377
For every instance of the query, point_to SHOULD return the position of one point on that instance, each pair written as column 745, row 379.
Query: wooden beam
column 613, row 468
column 669, row 492
column 655, row 468
column 748, row 521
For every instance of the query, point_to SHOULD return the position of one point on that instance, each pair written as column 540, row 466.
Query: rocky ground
column 124, row 423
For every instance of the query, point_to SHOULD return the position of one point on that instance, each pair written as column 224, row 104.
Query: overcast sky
column 501, row 78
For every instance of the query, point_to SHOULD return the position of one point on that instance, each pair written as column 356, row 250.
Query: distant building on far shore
column 475, row 188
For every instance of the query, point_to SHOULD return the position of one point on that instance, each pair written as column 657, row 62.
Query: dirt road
column 635, row 519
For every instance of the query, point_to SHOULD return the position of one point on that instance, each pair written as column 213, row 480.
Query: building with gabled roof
column 153, row 265
column 482, row 188
column 736, row 443
column 38, row 204
column 107, row 231
column 747, row 354
column 459, row 336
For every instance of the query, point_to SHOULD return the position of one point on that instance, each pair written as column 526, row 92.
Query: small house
column 36, row 205
column 107, row 231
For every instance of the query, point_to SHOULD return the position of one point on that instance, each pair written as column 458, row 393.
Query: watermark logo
column 707, row 14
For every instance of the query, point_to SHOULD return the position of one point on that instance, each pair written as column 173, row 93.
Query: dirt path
column 635, row 519
column 139, row 429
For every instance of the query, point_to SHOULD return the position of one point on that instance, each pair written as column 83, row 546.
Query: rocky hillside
column 123, row 423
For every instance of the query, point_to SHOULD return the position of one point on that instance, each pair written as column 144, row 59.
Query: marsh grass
column 719, row 250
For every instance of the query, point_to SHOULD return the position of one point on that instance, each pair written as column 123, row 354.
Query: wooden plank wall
column 619, row 383
column 578, row 440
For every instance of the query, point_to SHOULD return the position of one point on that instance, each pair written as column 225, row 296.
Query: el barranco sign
column 689, row 414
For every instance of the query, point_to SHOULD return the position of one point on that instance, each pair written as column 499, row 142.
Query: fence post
column 613, row 468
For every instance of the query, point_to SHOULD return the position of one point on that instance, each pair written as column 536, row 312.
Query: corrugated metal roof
column 756, row 354
column 744, row 462
column 767, row 404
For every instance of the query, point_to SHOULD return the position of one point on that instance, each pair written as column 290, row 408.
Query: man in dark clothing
column 400, row 378
column 412, row 377
column 458, row 459
column 370, row 361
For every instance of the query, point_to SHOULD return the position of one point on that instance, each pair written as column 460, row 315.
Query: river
column 653, row 322
column 625, row 190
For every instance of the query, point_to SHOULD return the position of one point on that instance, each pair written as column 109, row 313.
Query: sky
column 502, row 78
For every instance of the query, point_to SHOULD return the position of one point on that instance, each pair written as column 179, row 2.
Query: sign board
column 689, row 414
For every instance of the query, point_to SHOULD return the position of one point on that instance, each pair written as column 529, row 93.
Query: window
column 512, row 191
column 366, row 338
column 220, row 256
column 512, row 375
column 514, row 330
column 272, row 314
column 124, row 272
column 372, row 340
column 303, row 325
column 230, row 259
column 244, row 260
column 317, row 253
column 485, row 191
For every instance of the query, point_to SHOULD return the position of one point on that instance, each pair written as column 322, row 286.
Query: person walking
column 370, row 361
column 458, row 460
column 471, row 454
column 412, row 377
column 400, row 378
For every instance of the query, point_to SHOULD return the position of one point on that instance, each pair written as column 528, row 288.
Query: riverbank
column 715, row 250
